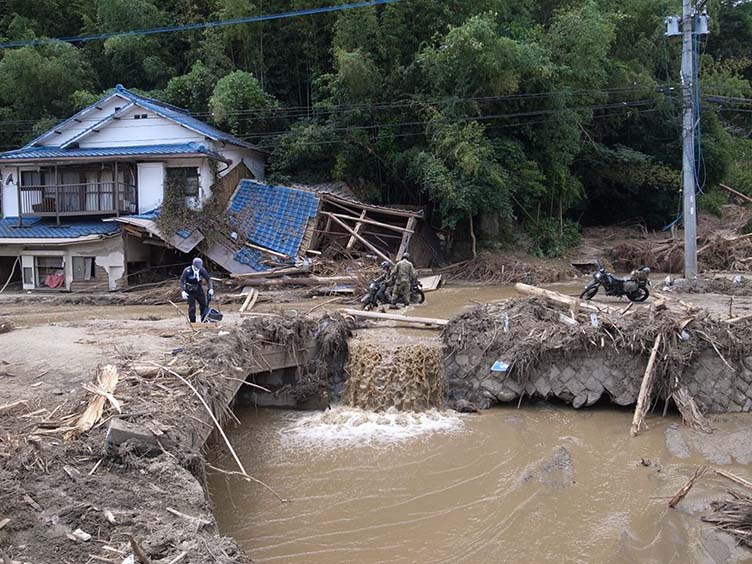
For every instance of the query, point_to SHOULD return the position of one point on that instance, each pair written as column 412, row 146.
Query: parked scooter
column 635, row 287
column 375, row 297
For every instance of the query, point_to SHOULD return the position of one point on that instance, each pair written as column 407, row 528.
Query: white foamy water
column 350, row 426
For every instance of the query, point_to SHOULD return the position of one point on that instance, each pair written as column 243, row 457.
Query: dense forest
column 544, row 114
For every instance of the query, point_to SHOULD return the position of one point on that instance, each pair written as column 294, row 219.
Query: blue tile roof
column 34, row 153
column 274, row 217
column 37, row 228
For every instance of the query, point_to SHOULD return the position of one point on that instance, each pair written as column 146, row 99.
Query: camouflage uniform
column 403, row 275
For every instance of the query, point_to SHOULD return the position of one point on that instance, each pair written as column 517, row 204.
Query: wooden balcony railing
column 59, row 200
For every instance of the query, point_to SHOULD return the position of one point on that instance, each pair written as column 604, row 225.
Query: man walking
column 403, row 275
column 190, row 286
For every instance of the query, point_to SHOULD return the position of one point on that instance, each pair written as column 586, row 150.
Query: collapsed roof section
column 145, row 225
column 272, row 225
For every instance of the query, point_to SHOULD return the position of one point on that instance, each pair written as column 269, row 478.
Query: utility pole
column 692, row 23
column 688, row 144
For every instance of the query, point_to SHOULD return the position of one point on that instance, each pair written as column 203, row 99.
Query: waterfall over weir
column 384, row 375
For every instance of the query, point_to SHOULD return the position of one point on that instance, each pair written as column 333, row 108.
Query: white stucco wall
column 253, row 160
column 73, row 128
column 150, row 186
column 127, row 131
column 108, row 253
column 9, row 194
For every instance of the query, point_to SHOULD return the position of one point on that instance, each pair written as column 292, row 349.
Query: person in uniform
column 192, row 291
column 403, row 276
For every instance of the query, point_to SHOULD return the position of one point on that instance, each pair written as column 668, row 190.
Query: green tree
column 237, row 100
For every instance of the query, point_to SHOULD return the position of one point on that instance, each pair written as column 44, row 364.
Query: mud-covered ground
column 51, row 487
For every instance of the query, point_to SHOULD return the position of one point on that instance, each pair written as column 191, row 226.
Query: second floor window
column 184, row 180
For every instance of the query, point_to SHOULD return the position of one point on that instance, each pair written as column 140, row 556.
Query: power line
column 196, row 26
column 316, row 111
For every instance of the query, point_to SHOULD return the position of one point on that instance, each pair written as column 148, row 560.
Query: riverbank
column 53, row 487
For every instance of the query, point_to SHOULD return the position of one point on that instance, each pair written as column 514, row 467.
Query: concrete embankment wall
column 582, row 379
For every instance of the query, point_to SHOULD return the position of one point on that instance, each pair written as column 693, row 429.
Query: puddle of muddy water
column 543, row 484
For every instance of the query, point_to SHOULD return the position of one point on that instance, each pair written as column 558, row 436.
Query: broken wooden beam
column 563, row 299
column 396, row 317
column 646, row 388
column 736, row 193
column 359, row 237
column 358, row 229
column 406, row 237
column 687, row 486
column 266, row 251
column 103, row 390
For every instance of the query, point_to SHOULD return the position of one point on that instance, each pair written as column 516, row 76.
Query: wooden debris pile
column 534, row 332
column 498, row 269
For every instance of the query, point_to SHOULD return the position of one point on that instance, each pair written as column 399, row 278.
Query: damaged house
column 79, row 201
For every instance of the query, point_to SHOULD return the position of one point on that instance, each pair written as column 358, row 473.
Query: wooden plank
column 396, row 317
column 646, row 388
column 370, row 221
column 332, row 199
column 735, row 193
column 405, row 244
column 431, row 283
column 556, row 297
column 248, row 299
column 267, row 251
column 360, row 238
column 358, row 228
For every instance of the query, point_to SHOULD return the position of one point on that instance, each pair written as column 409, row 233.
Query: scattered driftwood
column 322, row 304
column 250, row 300
column 691, row 415
column 562, row 299
column 736, row 193
column 734, row 478
column 221, row 431
column 687, row 486
column 138, row 551
column 646, row 388
column 197, row 520
column 179, row 558
column 396, row 317
column 106, row 382
column 9, row 406
column 740, row 319
column 733, row 516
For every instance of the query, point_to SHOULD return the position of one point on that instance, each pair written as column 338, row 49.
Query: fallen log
column 562, row 299
column 736, row 193
column 646, row 388
column 734, row 478
column 687, row 486
column 740, row 319
column 396, row 317
column 274, row 272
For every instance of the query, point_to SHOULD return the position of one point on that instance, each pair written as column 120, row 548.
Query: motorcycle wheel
column 589, row 293
column 639, row 295
column 418, row 297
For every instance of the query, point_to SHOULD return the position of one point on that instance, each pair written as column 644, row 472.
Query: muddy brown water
column 540, row 484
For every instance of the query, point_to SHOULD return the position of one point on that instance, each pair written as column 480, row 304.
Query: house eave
column 156, row 158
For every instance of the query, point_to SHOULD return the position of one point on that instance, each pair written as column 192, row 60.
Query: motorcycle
column 635, row 287
column 375, row 297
